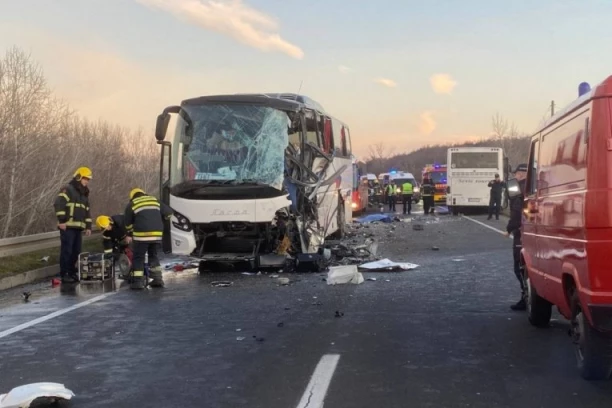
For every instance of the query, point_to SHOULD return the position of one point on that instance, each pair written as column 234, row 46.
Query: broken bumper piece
column 44, row 392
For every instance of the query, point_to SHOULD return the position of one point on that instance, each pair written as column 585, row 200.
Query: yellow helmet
column 103, row 221
column 136, row 191
column 82, row 172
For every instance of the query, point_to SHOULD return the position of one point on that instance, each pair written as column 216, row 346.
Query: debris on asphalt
column 339, row 313
column 259, row 339
column 458, row 260
column 238, row 330
column 339, row 275
column 274, row 276
column 371, row 279
column 284, row 281
column 46, row 393
column 387, row 265
column 418, row 227
column 435, row 248
column 240, row 338
column 281, row 324
column 44, row 259
column 26, row 296
column 221, row 284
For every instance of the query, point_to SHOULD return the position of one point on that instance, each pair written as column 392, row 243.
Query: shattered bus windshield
column 233, row 142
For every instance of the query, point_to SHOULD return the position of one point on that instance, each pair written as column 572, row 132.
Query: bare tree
column 42, row 142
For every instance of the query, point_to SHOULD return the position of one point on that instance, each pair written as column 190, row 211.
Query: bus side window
column 532, row 180
column 348, row 146
column 327, row 135
column 337, row 133
column 311, row 129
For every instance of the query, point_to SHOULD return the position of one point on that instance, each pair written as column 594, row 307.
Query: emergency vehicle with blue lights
column 437, row 174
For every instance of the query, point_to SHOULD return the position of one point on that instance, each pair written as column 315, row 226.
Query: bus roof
column 601, row 90
column 284, row 101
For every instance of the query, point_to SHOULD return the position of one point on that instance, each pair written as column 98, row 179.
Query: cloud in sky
column 232, row 18
column 389, row 83
column 442, row 83
column 427, row 123
column 343, row 69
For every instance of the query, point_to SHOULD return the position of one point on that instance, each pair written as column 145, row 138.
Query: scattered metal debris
column 43, row 392
column 339, row 313
column 240, row 338
column 26, row 296
column 435, row 248
column 281, row 324
column 221, row 284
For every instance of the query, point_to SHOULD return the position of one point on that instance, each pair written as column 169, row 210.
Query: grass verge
column 15, row 264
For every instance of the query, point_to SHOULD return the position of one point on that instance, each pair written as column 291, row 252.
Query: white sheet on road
column 388, row 265
column 339, row 275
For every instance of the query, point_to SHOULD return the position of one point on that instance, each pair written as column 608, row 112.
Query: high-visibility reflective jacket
column 407, row 188
column 117, row 234
column 144, row 218
column 72, row 206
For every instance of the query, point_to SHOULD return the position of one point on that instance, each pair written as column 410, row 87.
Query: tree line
column 43, row 141
column 504, row 135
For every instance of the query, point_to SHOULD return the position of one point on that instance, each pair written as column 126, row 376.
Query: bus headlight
column 397, row 190
column 416, row 189
column 181, row 222
column 354, row 204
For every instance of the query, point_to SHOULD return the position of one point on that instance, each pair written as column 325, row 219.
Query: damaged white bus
column 253, row 177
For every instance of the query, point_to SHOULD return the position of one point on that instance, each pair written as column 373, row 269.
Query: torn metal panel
column 43, row 392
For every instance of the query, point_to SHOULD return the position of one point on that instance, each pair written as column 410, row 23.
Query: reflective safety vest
column 390, row 189
column 407, row 188
column 72, row 207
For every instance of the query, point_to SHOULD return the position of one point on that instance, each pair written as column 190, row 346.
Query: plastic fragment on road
column 388, row 265
column 42, row 393
column 284, row 281
column 339, row 275
column 374, row 218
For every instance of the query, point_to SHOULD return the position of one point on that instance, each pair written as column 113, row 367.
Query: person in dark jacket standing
column 427, row 192
column 73, row 217
column 144, row 219
column 497, row 188
column 514, row 228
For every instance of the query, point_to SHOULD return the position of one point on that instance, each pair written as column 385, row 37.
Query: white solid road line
column 50, row 316
column 315, row 392
column 485, row 225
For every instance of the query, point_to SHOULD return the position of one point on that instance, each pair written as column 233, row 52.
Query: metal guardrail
column 30, row 243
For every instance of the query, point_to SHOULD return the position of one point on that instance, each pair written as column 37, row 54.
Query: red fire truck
column 437, row 174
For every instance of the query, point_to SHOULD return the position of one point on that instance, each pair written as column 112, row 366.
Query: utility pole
column 552, row 108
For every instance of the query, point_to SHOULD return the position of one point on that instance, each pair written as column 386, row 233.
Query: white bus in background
column 470, row 169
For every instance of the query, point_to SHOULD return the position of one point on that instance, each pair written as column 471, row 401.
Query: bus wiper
column 194, row 185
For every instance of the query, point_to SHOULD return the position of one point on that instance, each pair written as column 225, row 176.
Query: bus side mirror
column 514, row 189
column 161, row 127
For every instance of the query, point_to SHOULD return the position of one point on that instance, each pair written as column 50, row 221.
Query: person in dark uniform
column 497, row 188
column 391, row 192
column 73, row 217
column 144, row 222
column 427, row 192
column 514, row 228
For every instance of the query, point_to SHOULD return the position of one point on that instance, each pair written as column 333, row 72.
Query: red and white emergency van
column 567, row 225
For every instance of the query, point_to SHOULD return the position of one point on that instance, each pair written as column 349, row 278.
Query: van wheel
column 539, row 310
column 593, row 348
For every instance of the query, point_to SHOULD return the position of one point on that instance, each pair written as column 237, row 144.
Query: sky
column 402, row 72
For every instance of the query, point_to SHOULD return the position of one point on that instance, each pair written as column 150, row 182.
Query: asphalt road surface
column 441, row 335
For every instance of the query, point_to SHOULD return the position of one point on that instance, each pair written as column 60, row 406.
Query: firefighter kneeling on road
column 144, row 219
column 115, row 241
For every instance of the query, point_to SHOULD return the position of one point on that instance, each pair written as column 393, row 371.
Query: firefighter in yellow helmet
column 73, row 217
column 144, row 221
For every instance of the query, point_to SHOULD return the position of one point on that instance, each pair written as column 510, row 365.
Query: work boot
column 520, row 305
column 157, row 280
column 138, row 281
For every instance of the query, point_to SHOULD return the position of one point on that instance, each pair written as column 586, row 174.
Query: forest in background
column 43, row 141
